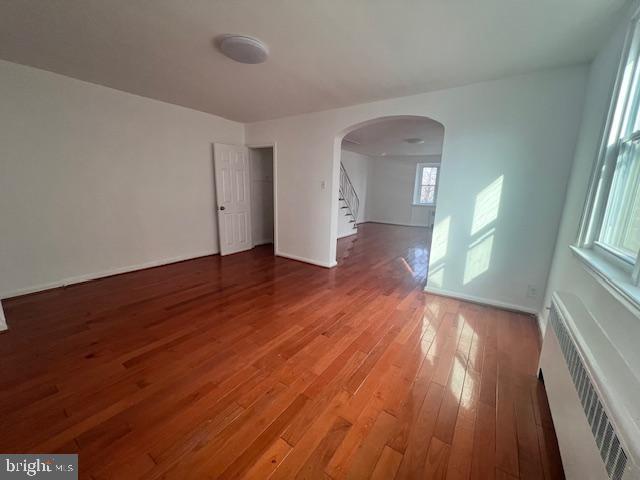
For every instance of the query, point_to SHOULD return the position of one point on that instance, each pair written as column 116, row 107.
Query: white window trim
column 417, row 184
column 617, row 272
column 612, row 276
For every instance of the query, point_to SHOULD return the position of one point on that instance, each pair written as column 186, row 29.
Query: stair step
column 343, row 208
column 352, row 221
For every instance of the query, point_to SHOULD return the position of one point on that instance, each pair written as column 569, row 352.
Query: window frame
column 618, row 271
column 417, row 185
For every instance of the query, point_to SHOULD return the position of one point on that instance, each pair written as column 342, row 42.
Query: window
column 609, row 239
column 426, row 187
column 620, row 230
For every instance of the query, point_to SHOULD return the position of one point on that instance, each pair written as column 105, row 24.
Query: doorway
column 391, row 165
column 262, row 206
column 244, row 192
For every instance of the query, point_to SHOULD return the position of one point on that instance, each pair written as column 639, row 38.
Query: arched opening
column 389, row 170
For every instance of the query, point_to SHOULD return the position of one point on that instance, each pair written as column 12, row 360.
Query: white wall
column 3, row 321
column 567, row 273
column 385, row 189
column 520, row 129
column 390, row 198
column 94, row 180
column 261, row 195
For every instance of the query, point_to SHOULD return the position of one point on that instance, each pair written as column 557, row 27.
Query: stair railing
column 349, row 196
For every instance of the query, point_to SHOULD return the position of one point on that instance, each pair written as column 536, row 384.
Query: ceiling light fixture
column 243, row 49
column 414, row 140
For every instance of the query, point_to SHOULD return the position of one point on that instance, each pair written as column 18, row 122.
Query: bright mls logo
column 39, row 466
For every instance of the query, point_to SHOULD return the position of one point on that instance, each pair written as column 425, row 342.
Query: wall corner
column 3, row 320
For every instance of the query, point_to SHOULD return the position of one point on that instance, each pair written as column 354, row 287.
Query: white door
column 233, row 197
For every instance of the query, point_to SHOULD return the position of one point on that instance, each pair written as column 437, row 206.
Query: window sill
column 423, row 204
column 614, row 278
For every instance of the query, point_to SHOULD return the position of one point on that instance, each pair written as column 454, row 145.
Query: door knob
column 222, row 207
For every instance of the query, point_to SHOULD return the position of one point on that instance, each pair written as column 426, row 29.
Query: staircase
column 348, row 197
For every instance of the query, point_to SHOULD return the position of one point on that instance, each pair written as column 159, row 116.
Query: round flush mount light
column 243, row 49
column 414, row 140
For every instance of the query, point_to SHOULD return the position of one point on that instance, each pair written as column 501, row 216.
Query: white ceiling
column 324, row 53
column 387, row 136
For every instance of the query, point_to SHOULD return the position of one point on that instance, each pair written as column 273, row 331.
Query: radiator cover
column 590, row 444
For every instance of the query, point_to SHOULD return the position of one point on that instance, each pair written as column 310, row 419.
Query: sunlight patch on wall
column 478, row 257
column 440, row 240
column 487, row 205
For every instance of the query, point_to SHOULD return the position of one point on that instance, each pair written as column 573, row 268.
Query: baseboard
column 350, row 234
column 306, row 260
column 105, row 273
column 3, row 320
column 397, row 224
column 479, row 300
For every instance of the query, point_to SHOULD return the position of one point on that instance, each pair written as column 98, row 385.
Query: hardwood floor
column 260, row 367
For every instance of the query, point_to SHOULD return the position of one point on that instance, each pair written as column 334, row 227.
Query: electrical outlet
column 532, row 291
column 323, row 185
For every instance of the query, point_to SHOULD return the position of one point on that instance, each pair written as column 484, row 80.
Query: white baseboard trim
column 306, row 260
column 480, row 300
column 3, row 320
column 105, row 273
column 345, row 235
column 398, row 224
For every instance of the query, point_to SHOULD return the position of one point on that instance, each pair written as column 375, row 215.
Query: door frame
column 272, row 145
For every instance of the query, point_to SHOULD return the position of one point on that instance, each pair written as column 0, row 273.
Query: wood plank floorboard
column 254, row 366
